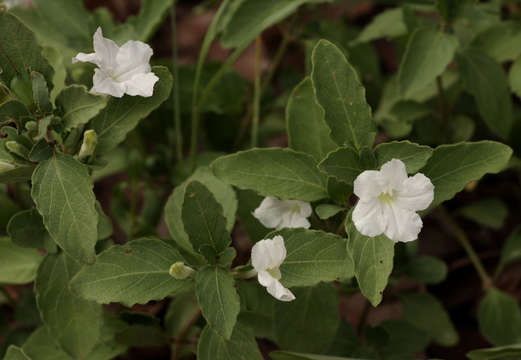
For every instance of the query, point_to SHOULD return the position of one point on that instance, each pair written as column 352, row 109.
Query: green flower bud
column 90, row 140
column 180, row 271
column 17, row 148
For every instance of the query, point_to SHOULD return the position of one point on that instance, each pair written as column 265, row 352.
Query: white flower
column 266, row 257
column 120, row 71
column 14, row 3
column 389, row 201
column 277, row 214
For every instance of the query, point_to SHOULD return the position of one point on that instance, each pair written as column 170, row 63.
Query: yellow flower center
column 275, row 272
column 386, row 197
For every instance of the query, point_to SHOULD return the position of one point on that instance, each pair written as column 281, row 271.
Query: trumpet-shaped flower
column 266, row 257
column 277, row 214
column 121, row 70
column 389, row 200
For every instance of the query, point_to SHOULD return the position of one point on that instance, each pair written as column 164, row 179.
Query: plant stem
column 175, row 91
column 363, row 317
column 184, row 332
column 444, row 106
column 453, row 227
column 257, row 92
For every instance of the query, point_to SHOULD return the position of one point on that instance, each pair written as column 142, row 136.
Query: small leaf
column 388, row 24
column 218, row 299
column 308, row 323
column 283, row 173
column 105, row 228
column 427, row 270
column 341, row 94
column 485, row 79
column 326, row 211
column 313, row 256
column 490, row 212
column 499, row 318
column 344, row 164
column 17, row 265
column 428, row 53
column 426, row 313
column 213, row 346
column 514, row 77
column 134, row 273
column 452, row 167
column 26, row 229
column 500, row 41
column 511, row 250
column 414, row 156
column 373, row 262
column 307, row 128
column 121, row 116
column 508, row 352
column 41, row 93
column 150, row 16
column 203, row 219
column 78, row 106
column 62, row 191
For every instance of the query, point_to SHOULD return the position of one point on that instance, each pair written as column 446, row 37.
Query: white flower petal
column 269, row 212
column 141, row 85
column 416, row 194
column 277, row 251
column 402, row 224
column 394, row 173
column 293, row 220
column 305, row 209
column 82, row 57
column 133, row 59
column 106, row 50
column 104, row 84
column 279, row 292
column 368, row 185
column 368, row 218
column 265, row 279
column 260, row 257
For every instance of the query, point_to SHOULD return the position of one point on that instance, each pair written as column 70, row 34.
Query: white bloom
column 277, row 214
column 14, row 3
column 120, row 71
column 266, row 257
column 389, row 201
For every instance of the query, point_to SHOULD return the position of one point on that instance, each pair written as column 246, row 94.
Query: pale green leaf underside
column 62, row 191
column 283, row 173
column 134, row 273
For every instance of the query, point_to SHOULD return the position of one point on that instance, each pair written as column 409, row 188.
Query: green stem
column 256, row 92
column 444, row 106
column 175, row 92
column 451, row 226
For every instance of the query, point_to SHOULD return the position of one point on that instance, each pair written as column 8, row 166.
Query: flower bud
column 180, row 271
column 90, row 140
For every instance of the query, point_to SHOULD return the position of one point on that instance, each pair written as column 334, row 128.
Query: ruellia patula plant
column 353, row 192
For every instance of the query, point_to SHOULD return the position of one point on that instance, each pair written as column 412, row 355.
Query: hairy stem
column 451, row 226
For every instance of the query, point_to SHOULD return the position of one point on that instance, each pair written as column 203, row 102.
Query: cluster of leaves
column 451, row 88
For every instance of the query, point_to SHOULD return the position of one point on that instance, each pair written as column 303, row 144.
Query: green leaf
column 203, row 219
column 313, row 256
column 74, row 323
column 252, row 17
column 414, row 156
column 20, row 51
column 388, row 24
column 284, row 173
column 427, row 270
column 344, row 164
column 12, row 169
column 17, row 265
column 222, row 192
column 105, row 228
column 40, row 93
column 151, row 15
column 509, row 352
column 514, row 77
column 62, row 191
column 121, row 116
column 78, row 106
column 326, row 211
column 26, row 229
column 55, row 59
column 490, row 212
column 307, row 129
column 341, row 94
column 248, row 201
column 13, row 110
column 426, row 313
column 218, row 299
column 485, row 79
column 15, row 353
column 428, row 53
column 404, row 340
column 373, row 262
column 452, row 167
column 241, row 345
column 134, row 273
column 288, row 355
column 501, row 41
column 499, row 318
column 308, row 323
column 511, row 250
